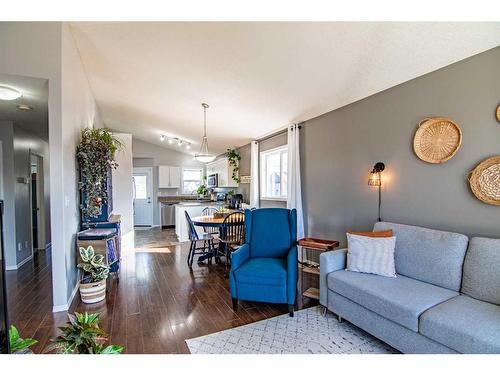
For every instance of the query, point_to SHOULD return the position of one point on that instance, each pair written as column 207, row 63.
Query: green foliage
column 202, row 189
column 96, row 154
column 82, row 335
column 17, row 344
column 234, row 157
column 92, row 265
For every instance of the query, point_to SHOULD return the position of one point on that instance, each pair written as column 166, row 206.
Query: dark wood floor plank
column 157, row 303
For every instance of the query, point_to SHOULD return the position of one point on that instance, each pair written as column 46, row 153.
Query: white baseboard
column 17, row 266
column 65, row 307
column 59, row 308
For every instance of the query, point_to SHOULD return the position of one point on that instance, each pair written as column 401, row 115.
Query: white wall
column 122, row 184
column 47, row 50
column 78, row 111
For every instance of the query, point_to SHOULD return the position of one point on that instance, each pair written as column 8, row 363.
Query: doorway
column 143, row 193
column 37, row 202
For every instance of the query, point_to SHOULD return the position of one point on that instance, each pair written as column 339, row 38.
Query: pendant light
column 204, row 155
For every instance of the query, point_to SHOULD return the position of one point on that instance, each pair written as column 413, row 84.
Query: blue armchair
column 264, row 269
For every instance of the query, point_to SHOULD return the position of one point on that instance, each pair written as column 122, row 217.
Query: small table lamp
column 375, row 179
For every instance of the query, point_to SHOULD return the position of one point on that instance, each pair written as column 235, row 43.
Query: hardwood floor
column 157, row 303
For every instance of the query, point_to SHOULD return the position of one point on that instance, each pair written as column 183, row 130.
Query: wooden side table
column 315, row 244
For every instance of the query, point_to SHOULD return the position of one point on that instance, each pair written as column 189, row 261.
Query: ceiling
column 151, row 78
column 35, row 94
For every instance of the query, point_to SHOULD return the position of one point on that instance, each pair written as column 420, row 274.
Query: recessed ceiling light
column 24, row 107
column 188, row 146
column 9, row 93
column 170, row 141
column 162, row 137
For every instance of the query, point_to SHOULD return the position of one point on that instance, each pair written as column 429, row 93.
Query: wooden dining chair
column 198, row 246
column 210, row 211
column 232, row 234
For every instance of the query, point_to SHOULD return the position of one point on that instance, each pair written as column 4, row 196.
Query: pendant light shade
column 204, row 155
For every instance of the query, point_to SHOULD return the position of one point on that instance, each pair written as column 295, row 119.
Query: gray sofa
column 445, row 299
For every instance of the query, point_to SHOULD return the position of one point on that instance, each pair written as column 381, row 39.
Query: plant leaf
column 112, row 349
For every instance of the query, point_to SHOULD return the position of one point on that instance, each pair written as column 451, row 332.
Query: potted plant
column 234, row 158
column 19, row 345
column 202, row 190
column 82, row 335
column 96, row 155
column 94, row 275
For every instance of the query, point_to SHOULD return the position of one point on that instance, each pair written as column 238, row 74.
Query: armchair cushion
column 262, row 271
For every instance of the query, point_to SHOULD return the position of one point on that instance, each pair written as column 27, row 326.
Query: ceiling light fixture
column 162, row 138
column 24, row 107
column 204, row 155
column 170, row 141
column 9, row 93
column 188, row 146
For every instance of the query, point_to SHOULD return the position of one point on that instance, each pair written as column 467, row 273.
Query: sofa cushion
column 399, row 299
column 262, row 271
column 464, row 324
column 481, row 279
column 428, row 255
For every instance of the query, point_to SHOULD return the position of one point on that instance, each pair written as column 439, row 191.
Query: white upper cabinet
column 224, row 171
column 169, row 177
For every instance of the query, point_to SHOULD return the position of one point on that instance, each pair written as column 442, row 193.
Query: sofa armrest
column 330, row 261
column 292, row 264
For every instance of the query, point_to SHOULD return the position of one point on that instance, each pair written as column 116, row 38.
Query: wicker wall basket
column 437, row 140
column 498, row 113
column 485, row 181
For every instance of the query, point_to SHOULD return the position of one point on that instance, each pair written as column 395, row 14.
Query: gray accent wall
column 339, row 149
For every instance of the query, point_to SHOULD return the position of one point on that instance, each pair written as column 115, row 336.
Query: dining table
column 209, row 221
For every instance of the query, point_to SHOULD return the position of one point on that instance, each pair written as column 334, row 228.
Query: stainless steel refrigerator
column 4, row 342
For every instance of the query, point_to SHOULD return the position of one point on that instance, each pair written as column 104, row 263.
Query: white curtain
column 254, row 173
column 294, row 190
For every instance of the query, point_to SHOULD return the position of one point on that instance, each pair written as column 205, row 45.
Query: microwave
column 212, row 180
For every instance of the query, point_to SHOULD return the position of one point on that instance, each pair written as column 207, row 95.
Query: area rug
column 308, row 332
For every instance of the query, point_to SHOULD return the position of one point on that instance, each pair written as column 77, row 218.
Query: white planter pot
column 93, row 292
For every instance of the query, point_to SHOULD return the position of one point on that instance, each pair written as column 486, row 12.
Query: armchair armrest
column 329, row 262
column 240, row 256
column 237, row 259
column 292, row 274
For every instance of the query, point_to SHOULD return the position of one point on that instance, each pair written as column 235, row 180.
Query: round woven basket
column 437, row 140
column 498, row 113
column 485, row 181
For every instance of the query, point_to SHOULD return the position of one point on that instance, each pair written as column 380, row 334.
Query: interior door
column 143, row 196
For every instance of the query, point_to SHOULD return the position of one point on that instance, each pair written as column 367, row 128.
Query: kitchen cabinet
column 169, row 177
column 225, row 172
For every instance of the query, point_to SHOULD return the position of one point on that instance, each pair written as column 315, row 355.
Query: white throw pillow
column 371, row 255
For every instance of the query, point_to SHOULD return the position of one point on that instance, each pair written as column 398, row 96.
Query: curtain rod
column 282, row 131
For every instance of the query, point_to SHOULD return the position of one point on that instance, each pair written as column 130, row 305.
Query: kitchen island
column 193, row 208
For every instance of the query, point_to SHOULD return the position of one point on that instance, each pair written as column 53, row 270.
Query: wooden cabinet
column 169, row 177
column 224, row 171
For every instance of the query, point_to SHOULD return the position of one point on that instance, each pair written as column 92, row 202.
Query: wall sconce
column 375, row 179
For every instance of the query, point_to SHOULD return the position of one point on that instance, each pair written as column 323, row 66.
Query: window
column 191, row 179
column 273, row 173
column 141, row 186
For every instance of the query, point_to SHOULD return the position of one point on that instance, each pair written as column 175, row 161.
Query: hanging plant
column 234, row 157
column 96, row 154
